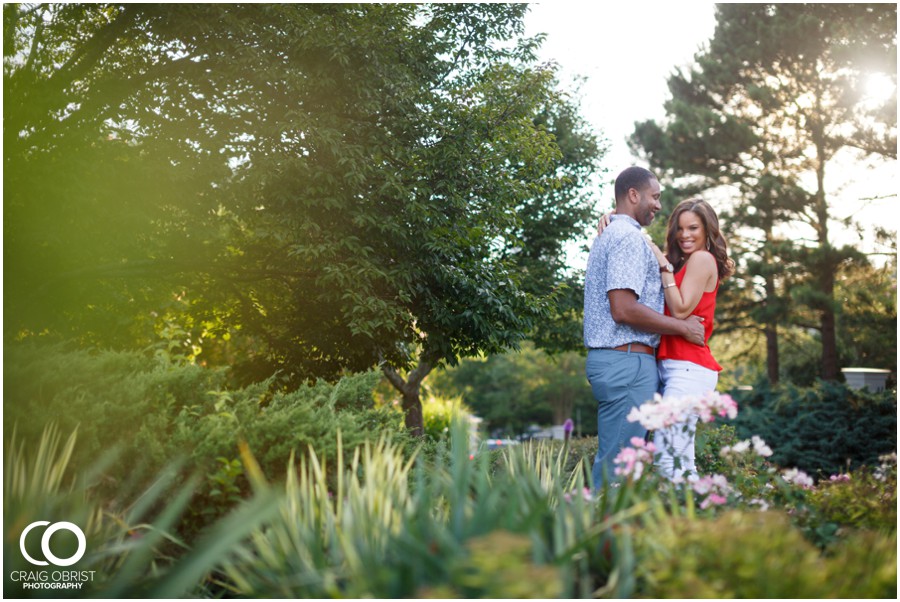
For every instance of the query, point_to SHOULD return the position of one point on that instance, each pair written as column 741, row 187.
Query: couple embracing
column 648, row 316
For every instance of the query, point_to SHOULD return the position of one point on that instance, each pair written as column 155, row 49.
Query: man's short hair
column 632, row 177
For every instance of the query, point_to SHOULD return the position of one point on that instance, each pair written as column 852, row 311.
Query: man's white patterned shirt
column 620, row 259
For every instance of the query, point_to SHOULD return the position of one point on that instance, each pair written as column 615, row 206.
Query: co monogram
column 45, row 543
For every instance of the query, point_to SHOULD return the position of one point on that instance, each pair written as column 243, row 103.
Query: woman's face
column 691, row 234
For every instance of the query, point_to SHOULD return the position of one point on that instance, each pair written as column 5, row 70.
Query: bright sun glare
column 879, row 87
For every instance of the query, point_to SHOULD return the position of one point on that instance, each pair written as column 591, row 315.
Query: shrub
column 395, row 529
column 154, row 411
column 866, row 498
column 824, row 429
column 498, row 565
column 108, row 395
column 709, row 441
column 438, row 413
column 759, row 555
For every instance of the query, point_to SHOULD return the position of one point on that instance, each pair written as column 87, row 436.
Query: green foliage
column 320, row 187
column 439, row 413
column 868, row 316
column 390, row 525
column 709, row 441
column 114, row 398
column 825, row 429
column 516, row 389
column 392, row 529
column 223, row 490
column 154, row 412
column 129, row 552
column 864, row 499
column 756, row 555
column 498, row 565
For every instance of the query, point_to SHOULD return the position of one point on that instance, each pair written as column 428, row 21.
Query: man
column 623, row 317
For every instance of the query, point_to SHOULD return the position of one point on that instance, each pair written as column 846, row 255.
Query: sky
column 626, row 50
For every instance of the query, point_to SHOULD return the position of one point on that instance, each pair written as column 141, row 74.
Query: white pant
column 679, row 378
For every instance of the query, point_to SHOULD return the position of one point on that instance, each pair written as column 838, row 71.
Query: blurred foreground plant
column 126, row 555
column 752, row 554
column 400, row 528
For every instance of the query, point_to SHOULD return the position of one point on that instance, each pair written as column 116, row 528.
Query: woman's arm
column 700, row 276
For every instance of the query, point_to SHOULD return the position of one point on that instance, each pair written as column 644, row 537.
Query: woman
column 695, row 263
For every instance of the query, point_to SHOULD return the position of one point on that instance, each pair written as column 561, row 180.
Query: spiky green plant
column 127, row 554
column 397, row 527
column 37, row 487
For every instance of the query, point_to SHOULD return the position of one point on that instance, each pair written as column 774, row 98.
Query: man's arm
column 626, row 310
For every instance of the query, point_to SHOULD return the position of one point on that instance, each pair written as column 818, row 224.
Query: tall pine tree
column 766, row 110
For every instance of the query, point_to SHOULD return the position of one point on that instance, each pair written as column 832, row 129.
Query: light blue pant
column 675, row 444
column 620, row 381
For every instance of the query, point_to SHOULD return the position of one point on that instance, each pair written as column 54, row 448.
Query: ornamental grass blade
column 214, row 548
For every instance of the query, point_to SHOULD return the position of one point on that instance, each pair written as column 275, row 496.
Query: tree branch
column 89, row 53
column 394, row 378
column 35, row 42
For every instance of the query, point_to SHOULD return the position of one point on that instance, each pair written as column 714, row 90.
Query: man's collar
column 628, row 218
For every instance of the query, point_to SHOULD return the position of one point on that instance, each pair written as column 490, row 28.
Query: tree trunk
column 829, row 333
column 773, row 305
column 829, row 262
column 772, row 366
column 409, row 388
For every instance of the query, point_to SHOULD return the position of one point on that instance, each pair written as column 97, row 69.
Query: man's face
column 648, row 203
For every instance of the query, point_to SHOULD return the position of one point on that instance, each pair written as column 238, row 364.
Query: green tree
column 868, row 300
column 342, row 186
column 773, row 102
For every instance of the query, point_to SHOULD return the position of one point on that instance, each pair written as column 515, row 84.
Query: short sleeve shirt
column 620, row 259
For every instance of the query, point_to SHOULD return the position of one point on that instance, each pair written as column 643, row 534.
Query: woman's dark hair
column 715, row 242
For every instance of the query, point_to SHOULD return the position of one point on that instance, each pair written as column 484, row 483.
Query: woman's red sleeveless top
column 672, row 347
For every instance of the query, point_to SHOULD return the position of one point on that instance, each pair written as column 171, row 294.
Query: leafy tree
column 868, row 302
column 342, row 186
column 767, row 109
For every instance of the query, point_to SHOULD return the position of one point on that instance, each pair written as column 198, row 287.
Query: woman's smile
column 691, row 233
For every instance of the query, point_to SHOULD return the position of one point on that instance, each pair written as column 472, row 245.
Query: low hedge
column 828, row 428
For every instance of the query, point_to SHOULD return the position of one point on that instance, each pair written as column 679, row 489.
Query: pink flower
column 631, row 460
column 714, row 487
column 585, row 494
column 660, row 412
column 713, row 499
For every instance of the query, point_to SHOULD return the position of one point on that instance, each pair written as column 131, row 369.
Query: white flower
column 763, row 504
column 760, row 447
column 797, row 477
column 737, row 449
